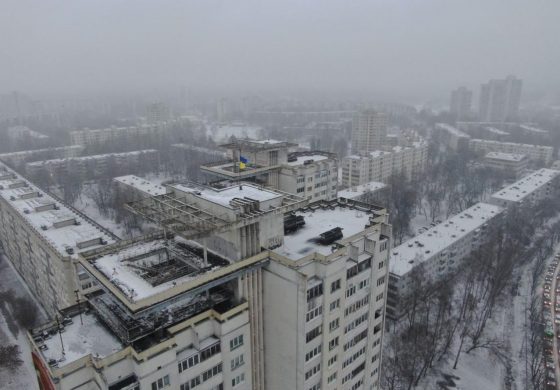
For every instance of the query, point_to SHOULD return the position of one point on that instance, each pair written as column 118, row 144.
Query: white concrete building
column 42, row 238
column 101, row 136
column 362, row 191
column 452, row 137
column 439, row 250
column 380, row 165
column 528, row 190
column 17, row 158
column 514, row 165
column 170, row 317
column 334, row 320
column 91, row 167
column 139, row 186
column 369, row 129
column 313, row 175
column 533, row 152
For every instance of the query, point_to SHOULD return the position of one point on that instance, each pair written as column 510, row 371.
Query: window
column 379, row 297
column 237, row 362
column 331, row 378
column 300, row 190
column 334, row 324
column 332, row 360
column 380, row 281
column 161, row 383
column 363, row 284
column 316, row 386
column 191, row 384
column 335, row 285
column 312, row 371
column 314, row 313
column 236, row 342
column 313, row 333
column 356, row 269
column 314, row 352
column 238, row 379
column 383, row 246
column 301, row 179
column 189, row 362
column 210, row 351
column 315, row 291
column 333, row 343
column 350, row 291
column 211, row 372
column 334, row 304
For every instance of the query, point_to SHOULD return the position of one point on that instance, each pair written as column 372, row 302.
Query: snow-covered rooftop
column 91, row 157
column 524, row 187
column 533, row 129
column 357, row 191
column 63, row 228
column 300, row 160
column 496, row 131
column 141, row 184
column 303, row 242
column 35, row 151
column 226, row 195
column 81, row 340
column 509, row 144
column 452, row 130
column 124, row 270
column 414, row 251
column 505, row 156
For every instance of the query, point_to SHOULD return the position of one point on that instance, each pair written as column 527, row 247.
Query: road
column 555, row 298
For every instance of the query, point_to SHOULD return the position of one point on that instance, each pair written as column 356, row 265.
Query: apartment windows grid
column 379, row 297
column 236, row 342
column 316, row 386
column 331, row 378
column 161, row 383
column 203, row 355
column 356, row 269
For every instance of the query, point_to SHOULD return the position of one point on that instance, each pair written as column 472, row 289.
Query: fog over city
column 408, row 50
column 277, row 195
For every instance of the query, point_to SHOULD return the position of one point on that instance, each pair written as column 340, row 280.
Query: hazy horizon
column 405, row 50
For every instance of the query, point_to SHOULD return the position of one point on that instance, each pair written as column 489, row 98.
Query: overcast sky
column 402, row 49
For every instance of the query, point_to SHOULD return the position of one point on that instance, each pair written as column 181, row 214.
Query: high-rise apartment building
column 157, row 113
column 460, row 104
column 207, row 307
column 499, row 99
column 369, row 129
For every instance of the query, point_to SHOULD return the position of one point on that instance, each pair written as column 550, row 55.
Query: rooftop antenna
column 60, row 334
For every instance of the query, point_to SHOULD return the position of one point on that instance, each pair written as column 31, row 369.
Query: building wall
column 351, row 330
column 163, row 359
column 50, row 277
column 317, row 181
column 369, row 129
column 381, row 166
column 533, row 152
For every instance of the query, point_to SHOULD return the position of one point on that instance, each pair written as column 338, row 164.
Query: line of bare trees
column 449, row 317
